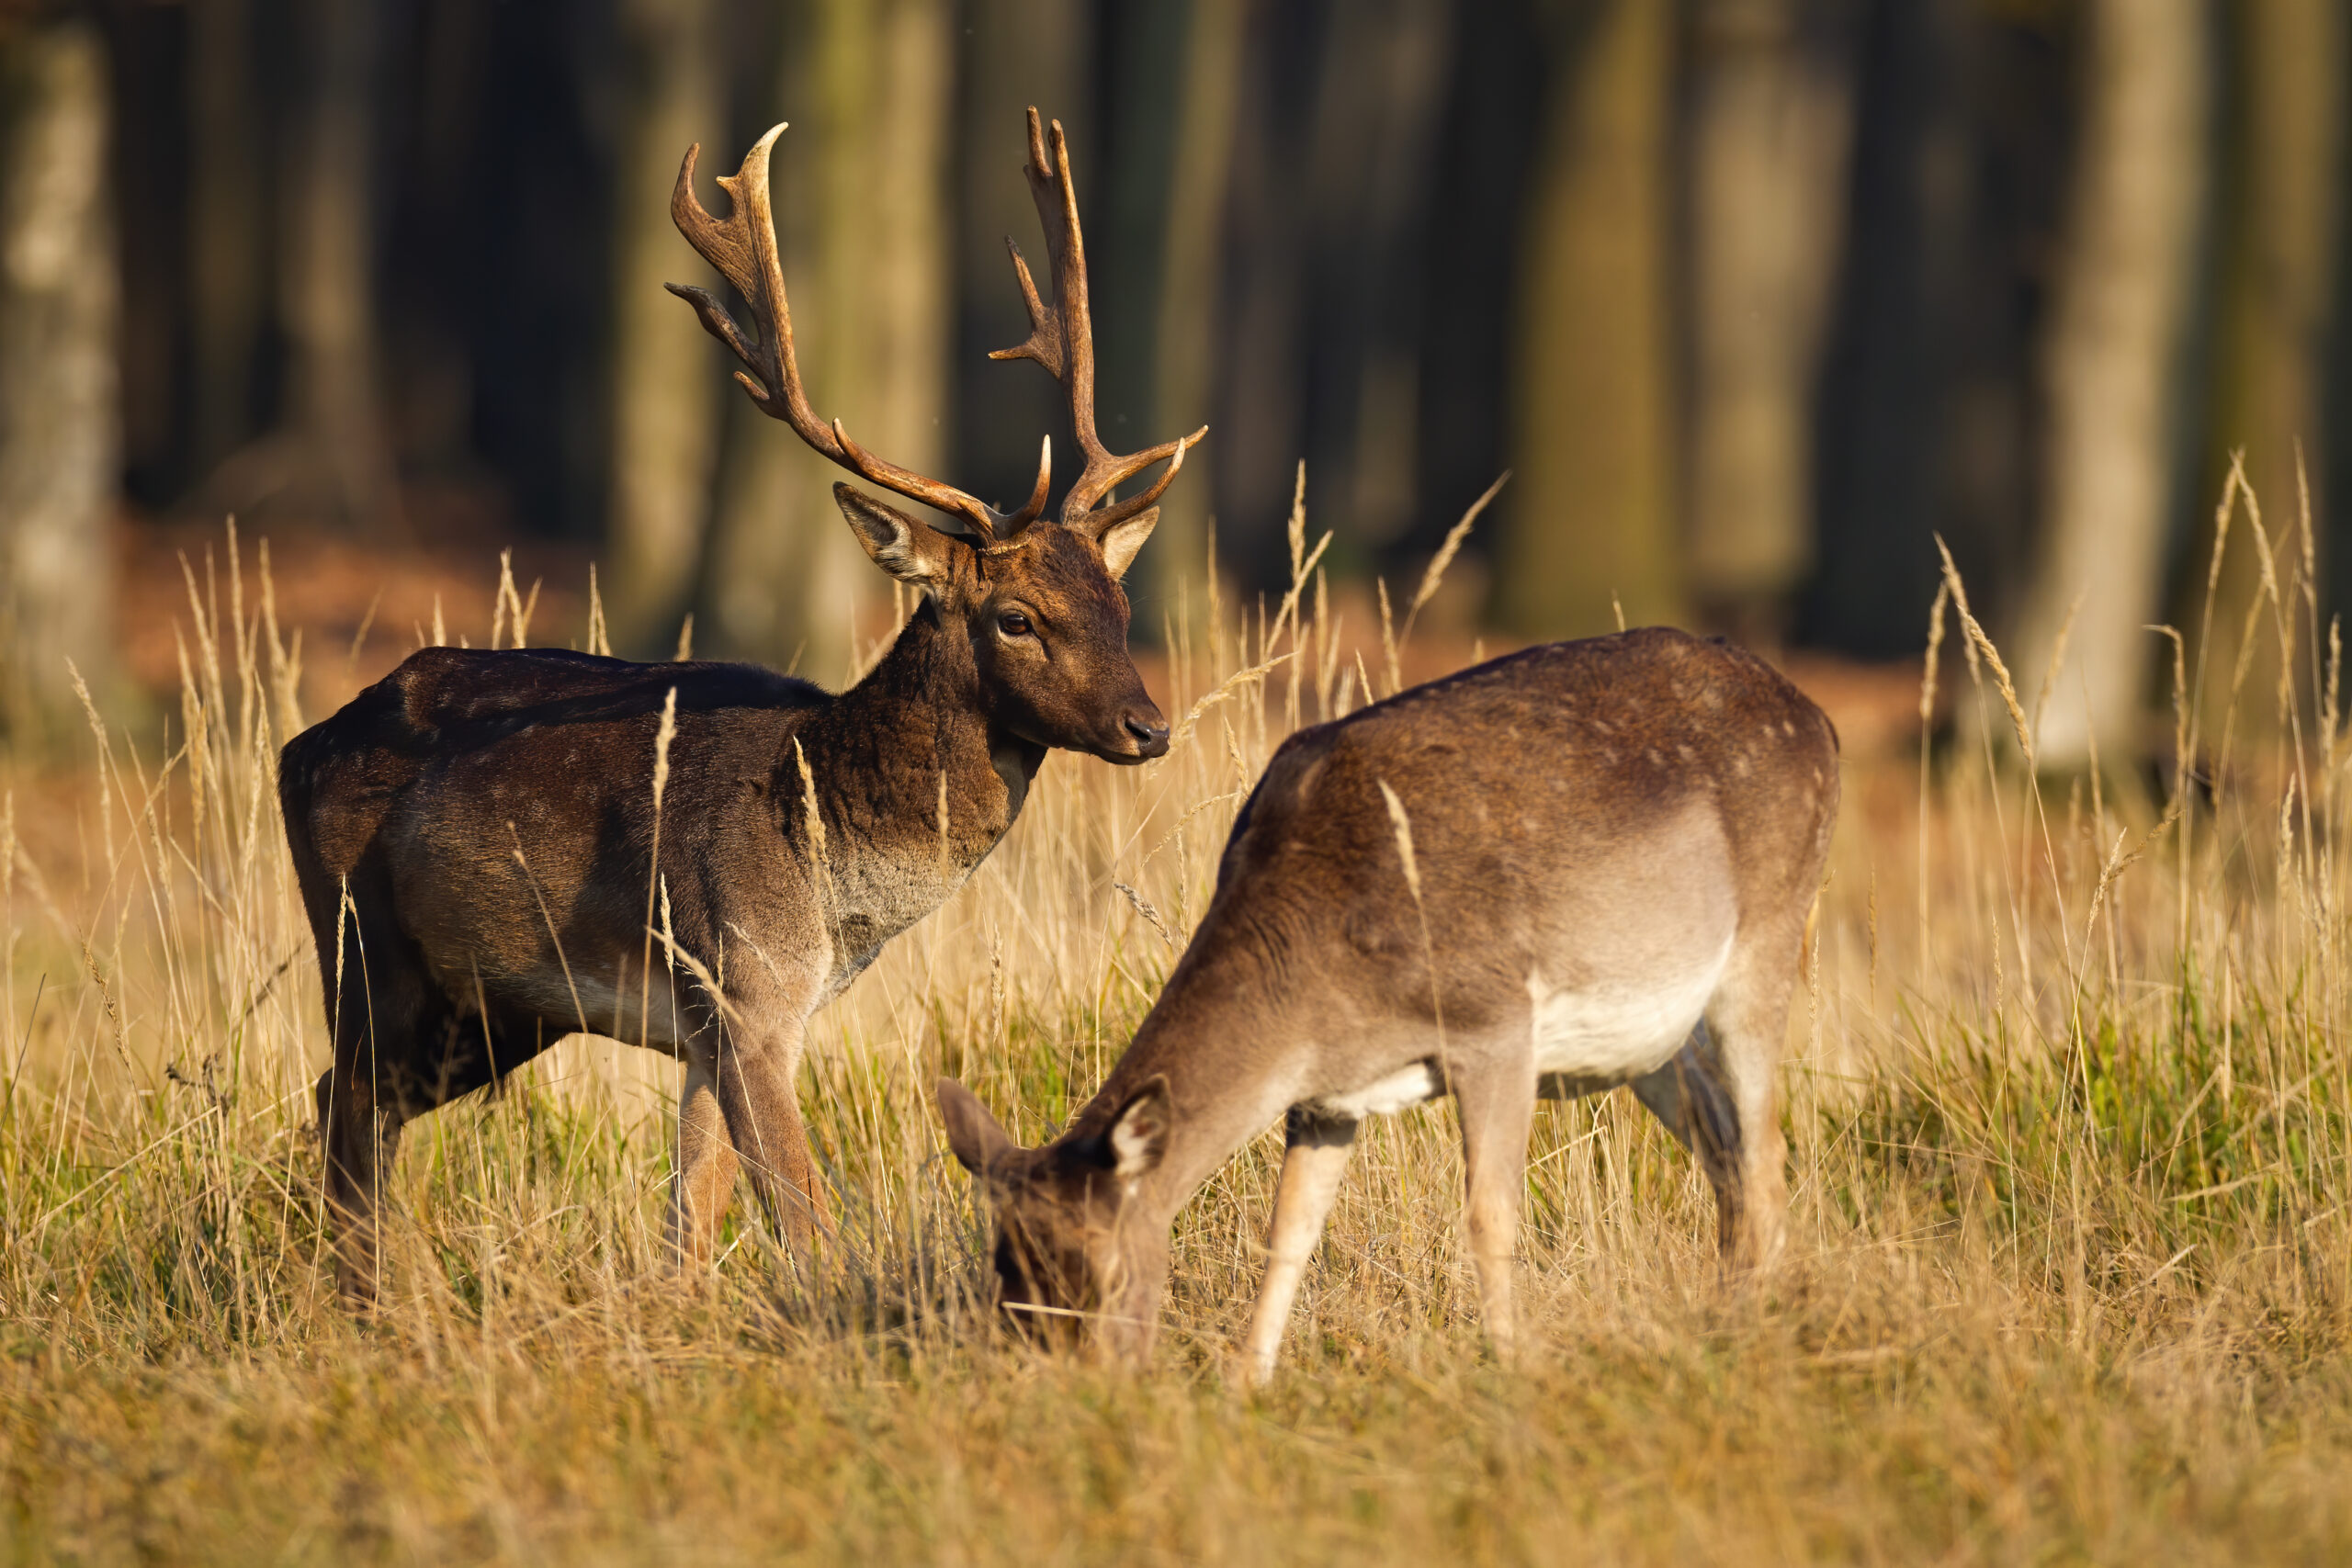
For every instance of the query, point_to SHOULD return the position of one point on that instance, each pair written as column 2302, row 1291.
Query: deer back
column 1570, row 798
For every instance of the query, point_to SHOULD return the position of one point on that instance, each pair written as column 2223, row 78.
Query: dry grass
column 2071, row 1277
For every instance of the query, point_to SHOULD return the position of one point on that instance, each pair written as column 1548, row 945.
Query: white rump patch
column 1619, row 1029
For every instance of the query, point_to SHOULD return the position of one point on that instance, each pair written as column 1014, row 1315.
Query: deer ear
column 915, row 553
column 1139, row 1133
column 1120, row 541
column 972, row 1133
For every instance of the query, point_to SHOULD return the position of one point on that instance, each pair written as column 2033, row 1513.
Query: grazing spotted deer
column 1582, row 865
column 476, row 835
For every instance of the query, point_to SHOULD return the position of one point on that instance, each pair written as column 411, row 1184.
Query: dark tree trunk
column 228, row 272
column 1175, row 69
column 328, row 271
column 1013, row 53
column 666, row 382
column 1593, row 516
column 2278, row 241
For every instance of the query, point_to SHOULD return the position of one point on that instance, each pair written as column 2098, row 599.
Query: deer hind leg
column 707, row 1168
column 360, row 1113
column 1315, row 1156
column 378, row 1024
column 361, row 1134
column 1688, row 1095
column 1748, row 1020
column 1498, row 1110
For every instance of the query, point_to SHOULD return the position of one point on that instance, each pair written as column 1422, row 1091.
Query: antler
column 743, row 249
column 1061, row 338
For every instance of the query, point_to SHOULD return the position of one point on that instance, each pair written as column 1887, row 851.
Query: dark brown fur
column 475, row 834
column 1592, row 815
column 478, row 827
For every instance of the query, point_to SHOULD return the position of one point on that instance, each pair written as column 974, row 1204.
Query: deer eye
column 1012, row 623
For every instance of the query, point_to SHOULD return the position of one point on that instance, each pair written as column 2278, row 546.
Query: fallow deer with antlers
column 1583, row 865
column 482, row 838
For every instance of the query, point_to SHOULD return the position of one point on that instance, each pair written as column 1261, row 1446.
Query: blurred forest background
column 1755, row 297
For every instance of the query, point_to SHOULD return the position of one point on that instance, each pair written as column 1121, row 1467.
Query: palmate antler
column 743, row 249
column 1061, row 338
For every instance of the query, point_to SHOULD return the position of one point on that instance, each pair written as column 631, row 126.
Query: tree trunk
column 227, row 270
column 2278, row 236
column 59, row 432
column 330, row 274
column 1190, row 294
column 1768, row 133
column 862, row 207
column 1154, row 239
column 1592, row 515
column 2113, row 372
column 1379, row 103
column 1014, row 53
column 666, row 381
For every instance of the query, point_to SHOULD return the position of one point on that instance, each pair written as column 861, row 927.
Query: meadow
column 2068, row 1098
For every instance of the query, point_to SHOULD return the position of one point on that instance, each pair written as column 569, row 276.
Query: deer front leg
column 1314, row 1157
column 762, row 1119
column 704, row 1181
column 1498, row 1110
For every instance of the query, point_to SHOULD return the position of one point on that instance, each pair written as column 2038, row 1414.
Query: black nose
column 1151, row 735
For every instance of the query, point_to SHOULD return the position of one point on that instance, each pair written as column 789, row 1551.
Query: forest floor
column 2071, row 1277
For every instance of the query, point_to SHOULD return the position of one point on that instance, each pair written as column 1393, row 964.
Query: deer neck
column 880, row 760
column 1227, row 1035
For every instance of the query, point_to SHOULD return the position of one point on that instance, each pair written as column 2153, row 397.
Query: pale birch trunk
column 1767, row 138
column 2113, row 373
column 59, row 423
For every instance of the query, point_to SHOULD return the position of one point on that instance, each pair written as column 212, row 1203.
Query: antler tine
column 743, row 249
column 1102, row 517
column 1045, row 341
column 1061, row 338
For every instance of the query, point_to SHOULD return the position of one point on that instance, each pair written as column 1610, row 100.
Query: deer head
column 1069, row 1249
column 1040, row 601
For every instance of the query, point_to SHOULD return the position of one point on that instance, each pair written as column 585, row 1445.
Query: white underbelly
column 1620, row 1029
column 1612, row 1031
column 1384, row 1096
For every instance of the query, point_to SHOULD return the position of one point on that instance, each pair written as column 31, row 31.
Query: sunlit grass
column 2072, row 1255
